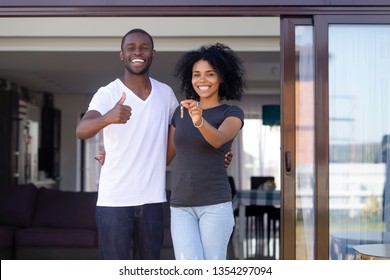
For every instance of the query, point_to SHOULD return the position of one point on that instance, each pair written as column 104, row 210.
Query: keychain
column 181, row 111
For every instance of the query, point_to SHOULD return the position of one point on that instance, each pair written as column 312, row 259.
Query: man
column 134, row 112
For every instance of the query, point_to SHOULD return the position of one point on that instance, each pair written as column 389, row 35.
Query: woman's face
column 205, row 79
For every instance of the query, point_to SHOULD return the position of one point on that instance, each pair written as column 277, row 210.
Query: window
column 260, row 152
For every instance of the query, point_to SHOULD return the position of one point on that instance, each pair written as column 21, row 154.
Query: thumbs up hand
column 123, row 99
column 119, row 113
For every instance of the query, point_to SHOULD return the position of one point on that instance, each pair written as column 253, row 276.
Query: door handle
column 287, row 162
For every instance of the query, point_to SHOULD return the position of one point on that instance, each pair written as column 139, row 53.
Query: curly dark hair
column 225, row 62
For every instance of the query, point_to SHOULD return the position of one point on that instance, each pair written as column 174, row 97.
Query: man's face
column 137, row 53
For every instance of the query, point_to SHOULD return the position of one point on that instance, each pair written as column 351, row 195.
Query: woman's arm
column 215, row 137
column 225, row 132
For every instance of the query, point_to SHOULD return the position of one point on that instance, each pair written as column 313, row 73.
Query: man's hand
column 120, row 113
column 228, row 158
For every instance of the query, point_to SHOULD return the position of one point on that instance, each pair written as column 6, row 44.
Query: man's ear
column 154, row 53
column 121, row 56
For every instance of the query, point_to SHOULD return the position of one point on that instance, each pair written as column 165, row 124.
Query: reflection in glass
column 359, row 129
column 304, row 119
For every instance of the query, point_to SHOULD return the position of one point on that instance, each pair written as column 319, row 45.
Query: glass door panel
column 298, row 130
column 304, row 141
column 359, row 134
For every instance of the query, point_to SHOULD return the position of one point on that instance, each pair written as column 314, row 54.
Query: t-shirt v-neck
column 136, row 97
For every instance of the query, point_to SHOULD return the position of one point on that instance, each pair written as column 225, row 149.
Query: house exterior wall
column 186, row 8
column 206, row 3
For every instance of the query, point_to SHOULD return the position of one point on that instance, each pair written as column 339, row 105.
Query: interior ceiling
column 77, row 55
column 85, row 72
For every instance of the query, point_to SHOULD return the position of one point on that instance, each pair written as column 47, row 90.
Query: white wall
column 71, row 106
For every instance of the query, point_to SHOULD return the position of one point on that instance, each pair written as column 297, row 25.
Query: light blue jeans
column 203, row 232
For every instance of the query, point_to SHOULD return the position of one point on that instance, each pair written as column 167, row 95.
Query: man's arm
column 171, row 151
column 228, row 158
column 92, row 122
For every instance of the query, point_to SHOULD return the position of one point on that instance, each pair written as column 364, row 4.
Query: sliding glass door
column 335, row 96
column 359, row 136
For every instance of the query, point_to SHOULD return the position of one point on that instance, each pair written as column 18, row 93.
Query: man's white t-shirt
column 135, row 164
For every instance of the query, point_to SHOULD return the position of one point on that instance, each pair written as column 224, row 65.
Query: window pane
column 304, row 131
column 359, row 89
column 261, row 151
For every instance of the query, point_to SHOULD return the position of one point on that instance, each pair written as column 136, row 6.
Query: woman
column 201, row 133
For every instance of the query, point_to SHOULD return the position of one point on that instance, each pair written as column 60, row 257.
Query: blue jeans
column 121, row 227
column 202, row 233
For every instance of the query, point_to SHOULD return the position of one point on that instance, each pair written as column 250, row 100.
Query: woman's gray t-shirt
column 199, row 174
